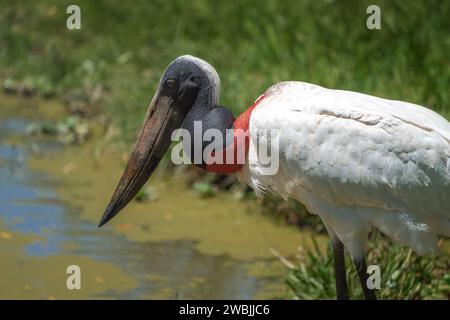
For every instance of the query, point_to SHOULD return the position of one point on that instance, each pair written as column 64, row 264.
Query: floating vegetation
column 30, row 86
column 147, row 194
column 203, row 189
column 10, row 85
column 73, row 130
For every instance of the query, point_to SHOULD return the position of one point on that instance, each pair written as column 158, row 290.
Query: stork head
column 188, row 85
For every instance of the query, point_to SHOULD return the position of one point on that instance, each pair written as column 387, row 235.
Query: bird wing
column 355, row 150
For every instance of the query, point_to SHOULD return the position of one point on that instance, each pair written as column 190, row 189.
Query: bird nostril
column 170, row 83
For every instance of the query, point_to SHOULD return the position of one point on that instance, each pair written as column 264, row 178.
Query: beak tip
column 101, row 223
column 104, row 219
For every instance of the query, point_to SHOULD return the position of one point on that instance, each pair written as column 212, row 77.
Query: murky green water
column 179, row 246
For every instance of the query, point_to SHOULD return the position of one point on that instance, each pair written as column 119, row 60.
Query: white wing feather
column 358, row 161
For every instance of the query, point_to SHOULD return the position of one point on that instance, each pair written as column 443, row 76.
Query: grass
column 115, row 60
column 404, row 275
column 111, row 67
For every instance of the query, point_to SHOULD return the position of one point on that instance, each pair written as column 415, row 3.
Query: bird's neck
column 225, row 154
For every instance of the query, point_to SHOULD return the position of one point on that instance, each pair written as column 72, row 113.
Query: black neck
column 217, row 117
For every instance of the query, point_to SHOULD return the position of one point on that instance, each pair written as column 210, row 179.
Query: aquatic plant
column 147, row 194
column 30, row 86
column 203, row 189
column 72, row 130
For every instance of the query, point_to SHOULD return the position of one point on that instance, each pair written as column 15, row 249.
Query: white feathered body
column 357, row 161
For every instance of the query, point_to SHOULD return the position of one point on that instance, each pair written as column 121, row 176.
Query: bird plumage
column 357, row 161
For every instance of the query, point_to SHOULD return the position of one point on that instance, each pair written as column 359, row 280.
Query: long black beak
column 154, row 139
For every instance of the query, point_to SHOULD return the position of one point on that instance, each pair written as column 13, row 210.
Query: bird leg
column 339, row 268
column 361, row 268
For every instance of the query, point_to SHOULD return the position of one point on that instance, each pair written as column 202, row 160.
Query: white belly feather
column 357, row 161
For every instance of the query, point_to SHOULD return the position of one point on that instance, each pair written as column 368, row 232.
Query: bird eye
column 170, row 83
column 193, row 78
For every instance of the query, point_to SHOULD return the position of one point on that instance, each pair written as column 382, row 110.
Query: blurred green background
column 110, row 68
column 122, row 48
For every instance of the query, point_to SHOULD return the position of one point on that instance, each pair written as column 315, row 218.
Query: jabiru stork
column 355, row 160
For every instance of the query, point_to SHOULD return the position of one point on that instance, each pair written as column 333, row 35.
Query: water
column 179, row 246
